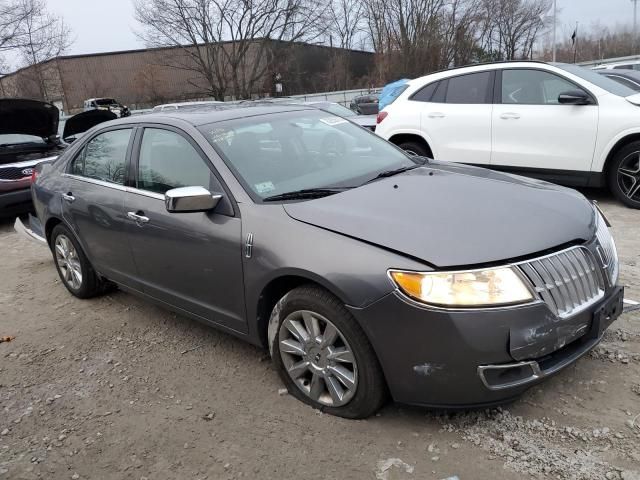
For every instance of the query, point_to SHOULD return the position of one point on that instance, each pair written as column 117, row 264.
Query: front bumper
column 458, row 359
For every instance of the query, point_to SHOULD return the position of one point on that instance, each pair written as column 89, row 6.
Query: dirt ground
column 115, row 388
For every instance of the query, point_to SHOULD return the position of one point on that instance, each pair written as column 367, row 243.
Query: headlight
column 474, row 288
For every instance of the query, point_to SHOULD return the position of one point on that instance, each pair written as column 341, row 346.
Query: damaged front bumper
column 459, row 359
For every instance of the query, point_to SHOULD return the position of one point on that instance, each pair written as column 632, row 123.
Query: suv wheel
column 415, row 148
column 323, row 356
column 624, row 175
column 75, row 271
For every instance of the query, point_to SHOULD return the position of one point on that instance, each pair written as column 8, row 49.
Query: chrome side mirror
column 190, row 199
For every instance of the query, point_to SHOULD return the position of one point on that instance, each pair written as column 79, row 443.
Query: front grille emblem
column 27, row 172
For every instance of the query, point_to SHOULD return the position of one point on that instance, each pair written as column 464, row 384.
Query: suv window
column 104, row 157
column 533, row 87
column 425, row 93
column 167, row 160
column 469, row 89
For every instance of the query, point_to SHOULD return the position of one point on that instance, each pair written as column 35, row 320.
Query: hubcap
column 68, row 262
column 629, row 176
column 318, row 358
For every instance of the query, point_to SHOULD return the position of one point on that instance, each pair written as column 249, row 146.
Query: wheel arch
column 400, row 138
column 277, row 287
column 49, row 226
column 620, row 144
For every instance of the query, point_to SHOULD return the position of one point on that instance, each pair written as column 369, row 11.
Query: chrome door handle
column 137, row 218
column 510, row 116
column 68, row 197
column 435, row 115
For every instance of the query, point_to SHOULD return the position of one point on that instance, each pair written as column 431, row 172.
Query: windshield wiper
column 395, row 171
column 305, row 193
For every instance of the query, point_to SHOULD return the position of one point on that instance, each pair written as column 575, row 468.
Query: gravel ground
column 115, row 388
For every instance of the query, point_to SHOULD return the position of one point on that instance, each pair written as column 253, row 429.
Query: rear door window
column 104, row 157
column 469, row 89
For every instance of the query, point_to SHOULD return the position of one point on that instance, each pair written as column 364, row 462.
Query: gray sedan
column 365, row 272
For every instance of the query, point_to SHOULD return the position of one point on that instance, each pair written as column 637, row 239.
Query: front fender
column 600, row 159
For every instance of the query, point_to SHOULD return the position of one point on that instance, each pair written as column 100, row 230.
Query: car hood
column 28, row 117
column 82, row 122
column 450, row 215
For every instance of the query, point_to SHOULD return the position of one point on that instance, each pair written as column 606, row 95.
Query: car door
column 192, row 261
column 92, row 202
column 456, row 117
column 534, row 133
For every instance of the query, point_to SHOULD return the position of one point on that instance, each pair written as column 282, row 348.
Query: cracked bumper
column 472, row 358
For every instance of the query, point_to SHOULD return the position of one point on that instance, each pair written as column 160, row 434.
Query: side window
column 425, row 93
column 104, row 157
column 533, row 87
column 167, row 160
column 469, row 89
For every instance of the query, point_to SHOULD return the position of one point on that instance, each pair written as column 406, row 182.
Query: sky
column 108, row 25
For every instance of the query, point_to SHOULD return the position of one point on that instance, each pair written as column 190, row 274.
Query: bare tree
column 511, row 27
column 43, row 36
column 229, row 45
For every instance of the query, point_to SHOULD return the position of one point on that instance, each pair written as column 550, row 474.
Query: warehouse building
column 147, row 77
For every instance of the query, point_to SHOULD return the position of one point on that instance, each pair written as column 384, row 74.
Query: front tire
column 76, row 273
column 624, row 175
column 415, row 148
column 323, row 356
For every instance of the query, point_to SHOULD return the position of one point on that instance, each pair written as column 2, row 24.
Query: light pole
column 555, row 12
column 635, row 23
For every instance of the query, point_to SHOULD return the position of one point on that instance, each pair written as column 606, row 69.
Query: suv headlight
column 474, row 288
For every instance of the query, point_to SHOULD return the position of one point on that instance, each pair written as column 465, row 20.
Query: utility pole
column 635, row 23
column 555, row 12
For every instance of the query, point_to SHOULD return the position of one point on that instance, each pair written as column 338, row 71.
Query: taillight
column 34, row 174
column 381, row 116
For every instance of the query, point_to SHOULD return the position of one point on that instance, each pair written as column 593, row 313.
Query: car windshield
column 17, row 139
column 597, row 79
column 337, row 109
column 106, row 101
column 286, row 152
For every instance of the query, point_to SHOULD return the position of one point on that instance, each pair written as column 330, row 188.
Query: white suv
column 560, row 122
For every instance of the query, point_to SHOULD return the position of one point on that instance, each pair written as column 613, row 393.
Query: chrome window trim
column 115, row 186
column 95, row 181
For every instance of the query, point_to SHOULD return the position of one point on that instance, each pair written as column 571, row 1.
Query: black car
column 365, row 104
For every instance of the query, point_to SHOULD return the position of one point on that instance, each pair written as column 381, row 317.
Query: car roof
column 204, row 114
column 486, row 66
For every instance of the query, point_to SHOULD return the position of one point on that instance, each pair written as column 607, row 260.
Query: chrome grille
column 607, row 250
column 567, row 281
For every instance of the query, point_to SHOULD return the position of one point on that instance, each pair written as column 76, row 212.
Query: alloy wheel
column 629, row 176
column 317, row 358
column 68, row 262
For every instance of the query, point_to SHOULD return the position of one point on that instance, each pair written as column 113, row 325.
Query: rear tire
column 343, row 378
column 415, row 148
column 624, row 175
column 76, row 273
